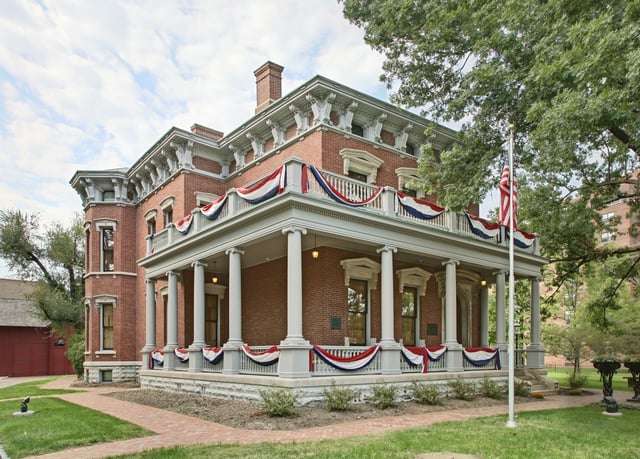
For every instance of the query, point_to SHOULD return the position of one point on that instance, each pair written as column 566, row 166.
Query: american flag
column 505, row 208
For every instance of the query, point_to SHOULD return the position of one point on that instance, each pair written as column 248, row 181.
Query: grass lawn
column 593, row 378
column 566, row 433
column 31, row 388
column 58, row 425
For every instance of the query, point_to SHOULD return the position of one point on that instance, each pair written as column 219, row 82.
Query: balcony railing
column 385, row 204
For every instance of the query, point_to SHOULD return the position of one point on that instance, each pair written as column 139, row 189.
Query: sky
column 93, row 84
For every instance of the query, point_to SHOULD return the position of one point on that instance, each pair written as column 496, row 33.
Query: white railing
column 320, row 368
column 208, row 367
column 355, row 190
column 441, row 221
column 181, row 366
column 249, row 367
column 468, row 366
column 351, row 189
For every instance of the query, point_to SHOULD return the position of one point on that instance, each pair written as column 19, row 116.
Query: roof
column 15, row 309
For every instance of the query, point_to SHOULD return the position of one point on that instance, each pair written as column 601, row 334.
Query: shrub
column 462, row 390
column 521, row 388
column 384, row 396
column 75, row 353
column 339, row 398
column 279, row 402
column 491, row 389
column 425, row 394
column 577, row 380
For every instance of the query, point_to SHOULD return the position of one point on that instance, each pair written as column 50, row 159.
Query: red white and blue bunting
column 356, row 362
column 265, row 358
column 182, row 354
column 420, row 356
column 419, row 208
column 213, row 209
column 157, row 358
column 336, row 195
column 213, row 355
column 266, row 188
column 480, row 356
column 522, row 239
column 481, row 227
column 184, row 224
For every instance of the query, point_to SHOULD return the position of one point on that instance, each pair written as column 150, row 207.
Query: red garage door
column 30, row 359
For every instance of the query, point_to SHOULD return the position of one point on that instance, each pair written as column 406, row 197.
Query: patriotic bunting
column 481, row 227
column 480, row 356
column 213, row 355
column 265, row 358
column 213, row 209
column 419, row 208
column 265, row 189
column 157, row 358
column 184, row 225
column 357, row 362
column 420, row 356
column 336, row 195
column 522, row 239
column 182, row 354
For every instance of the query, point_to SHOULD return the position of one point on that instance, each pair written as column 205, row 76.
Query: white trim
column 361, row 268
column 362, row 162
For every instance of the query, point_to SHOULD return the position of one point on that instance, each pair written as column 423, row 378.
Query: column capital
column 293, row 229
column 451, row 261
column 148, row 280
column 503, row 272
column 198, row 263
column 387, row 248
column 234, row 250
column 171, row 273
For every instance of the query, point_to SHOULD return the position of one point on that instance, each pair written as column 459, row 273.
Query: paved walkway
column 193, row 430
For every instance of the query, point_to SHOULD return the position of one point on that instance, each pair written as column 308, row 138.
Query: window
column 151, row 227
column 409, row 181
column 87, row 327
column 107, row 249
column 411, row 149
column 167, row 205
column 106, row 326
column 409, row 313
column 357, row 300
column 607, row 237
column 211, row 320
column 168, row 216
column 358, row 176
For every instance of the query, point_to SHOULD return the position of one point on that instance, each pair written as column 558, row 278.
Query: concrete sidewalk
column 167, row 425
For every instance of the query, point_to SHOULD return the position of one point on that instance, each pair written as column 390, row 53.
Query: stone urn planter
column 632, row 363
column 607, row 366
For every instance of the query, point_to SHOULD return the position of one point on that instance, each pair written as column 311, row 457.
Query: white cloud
column 92, row 85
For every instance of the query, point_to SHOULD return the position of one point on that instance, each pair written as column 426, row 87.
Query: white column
column 196, row 360
column 535, row 351
column 391, row 350
column 172, row 322
column 454, row 349
column 235, row 296
column 294, row 285
column 484, row 315
column 150, row 323
column 501, row 314
column 386, row 294
column 294, row 349
column 450, row 302
column 232, row 348
column 198, row 305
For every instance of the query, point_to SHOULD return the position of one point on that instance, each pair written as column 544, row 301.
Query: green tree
column 565, row 74
column 53, row 257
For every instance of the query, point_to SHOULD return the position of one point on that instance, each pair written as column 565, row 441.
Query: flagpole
column 511, row 421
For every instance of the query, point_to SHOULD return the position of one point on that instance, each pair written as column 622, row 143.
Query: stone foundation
column 309, row 391
column 99, row 372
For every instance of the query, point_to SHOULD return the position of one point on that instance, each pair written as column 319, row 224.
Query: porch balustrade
column 321, row 368
column 384, row 204
column 208, row 367
column 249, row 367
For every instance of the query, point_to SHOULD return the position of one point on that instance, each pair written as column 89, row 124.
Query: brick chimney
column 268, row 84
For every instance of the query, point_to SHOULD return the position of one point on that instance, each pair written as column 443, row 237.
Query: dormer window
column 357, row 129
column 411, row 149
column 109, row 196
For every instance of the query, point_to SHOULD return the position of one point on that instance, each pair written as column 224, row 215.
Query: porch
column 273, row 220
